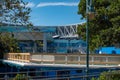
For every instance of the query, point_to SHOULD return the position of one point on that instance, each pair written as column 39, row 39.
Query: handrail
column 49, row 77
column 100, row 59
column 21, row 57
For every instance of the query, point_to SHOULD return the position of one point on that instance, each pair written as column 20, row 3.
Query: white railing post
column 106, row 60
column 66, row 59
column 92, row 60
column 79, row 59
column 41, row 58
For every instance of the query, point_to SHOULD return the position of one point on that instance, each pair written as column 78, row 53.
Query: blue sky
column 54, row 12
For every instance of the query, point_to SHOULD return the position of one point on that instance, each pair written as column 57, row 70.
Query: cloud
column 30, row 4
column 57, row 4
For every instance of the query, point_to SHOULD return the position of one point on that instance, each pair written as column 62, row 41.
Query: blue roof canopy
column 26, row 29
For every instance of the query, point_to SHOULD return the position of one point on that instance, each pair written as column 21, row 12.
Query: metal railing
column 94, row 59
column 46, row 75
column 21, row 57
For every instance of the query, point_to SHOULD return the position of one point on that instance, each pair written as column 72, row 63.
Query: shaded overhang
column 36, row 65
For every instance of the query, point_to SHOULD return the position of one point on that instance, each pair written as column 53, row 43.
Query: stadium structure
column 52, row 39
column 39, row 58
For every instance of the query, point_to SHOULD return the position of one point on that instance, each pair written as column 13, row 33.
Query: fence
column 21, row 57
column 94, row 59
column 47, row 75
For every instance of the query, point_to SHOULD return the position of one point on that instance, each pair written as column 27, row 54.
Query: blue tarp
column 109, row 50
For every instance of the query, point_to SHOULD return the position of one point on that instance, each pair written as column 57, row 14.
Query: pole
column 87, row 39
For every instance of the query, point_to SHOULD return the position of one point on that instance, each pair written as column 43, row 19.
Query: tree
column 7, row 44
column 12, row 12
column 105, row 27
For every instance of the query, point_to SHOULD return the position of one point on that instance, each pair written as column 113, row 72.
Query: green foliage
column 7, row 44
column 14, row 12
column 94, row 78
column 112, row 75
column 40, row 44
column 104, row 29
column 82, row 31
column 20, row 77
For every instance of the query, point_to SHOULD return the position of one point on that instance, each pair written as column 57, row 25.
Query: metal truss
column 69, row 31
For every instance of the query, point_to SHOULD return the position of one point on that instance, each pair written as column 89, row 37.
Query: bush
column 20, row 77
column 112, row 75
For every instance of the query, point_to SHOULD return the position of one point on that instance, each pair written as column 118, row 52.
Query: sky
column 54, row 12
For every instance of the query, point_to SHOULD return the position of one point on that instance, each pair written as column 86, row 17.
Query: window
column 78, row 71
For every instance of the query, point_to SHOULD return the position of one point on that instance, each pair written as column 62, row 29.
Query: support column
column 44, row 42
column 34, row 47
